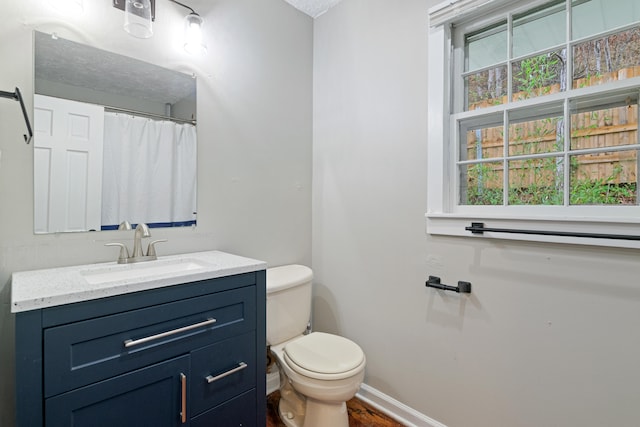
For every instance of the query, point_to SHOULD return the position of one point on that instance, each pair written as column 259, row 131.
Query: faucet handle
column 151, row 250
column 124, row 252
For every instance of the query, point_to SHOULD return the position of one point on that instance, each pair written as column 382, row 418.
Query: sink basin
column 149, row 269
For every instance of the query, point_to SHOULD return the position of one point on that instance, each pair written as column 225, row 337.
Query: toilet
column 319, row 372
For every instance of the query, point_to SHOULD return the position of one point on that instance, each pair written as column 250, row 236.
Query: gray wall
column 549, row 335
column 254, row 134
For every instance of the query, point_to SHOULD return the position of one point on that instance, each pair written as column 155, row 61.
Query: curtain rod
column 149, row 115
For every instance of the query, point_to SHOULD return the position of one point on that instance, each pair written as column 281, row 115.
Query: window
column 533, row 117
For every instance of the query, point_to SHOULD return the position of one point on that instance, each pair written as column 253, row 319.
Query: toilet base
column 292, row 405
column 288, row 416
column 317, row 414
column 322, row 414
column 296, row 410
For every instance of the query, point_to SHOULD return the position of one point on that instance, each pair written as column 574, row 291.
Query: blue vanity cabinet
column 189, row 354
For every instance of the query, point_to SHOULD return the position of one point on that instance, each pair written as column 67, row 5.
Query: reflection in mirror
column 114, row 140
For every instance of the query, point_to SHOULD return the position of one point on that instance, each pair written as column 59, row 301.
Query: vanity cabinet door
column 152, row 396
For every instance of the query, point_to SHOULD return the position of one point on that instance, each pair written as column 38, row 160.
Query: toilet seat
column 324, row 356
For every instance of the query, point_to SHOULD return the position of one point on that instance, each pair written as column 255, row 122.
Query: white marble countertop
column 57, row 286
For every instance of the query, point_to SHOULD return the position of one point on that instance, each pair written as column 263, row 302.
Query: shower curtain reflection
column 149, row 172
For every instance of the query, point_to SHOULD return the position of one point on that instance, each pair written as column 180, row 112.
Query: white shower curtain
column 149, row 172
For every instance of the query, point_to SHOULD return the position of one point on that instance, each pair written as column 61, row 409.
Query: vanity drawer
column 222, row 370
column 84, row 352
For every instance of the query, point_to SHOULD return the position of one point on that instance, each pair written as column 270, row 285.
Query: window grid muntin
column 505, row 148
column 567, row 145
column 509, row 73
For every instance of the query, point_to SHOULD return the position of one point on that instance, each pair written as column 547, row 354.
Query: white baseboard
column 273, row 381
column 396, row 410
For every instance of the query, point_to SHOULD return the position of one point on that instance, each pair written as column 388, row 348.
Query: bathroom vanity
column 173, row 342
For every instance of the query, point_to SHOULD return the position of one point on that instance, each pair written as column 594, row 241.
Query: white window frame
column 444, row 216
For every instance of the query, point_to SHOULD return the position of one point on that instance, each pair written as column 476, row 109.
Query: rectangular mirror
column 114, row 140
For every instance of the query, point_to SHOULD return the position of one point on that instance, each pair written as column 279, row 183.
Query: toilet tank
column 288, row 302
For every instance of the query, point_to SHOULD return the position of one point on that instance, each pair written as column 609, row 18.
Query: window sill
column 454, row 225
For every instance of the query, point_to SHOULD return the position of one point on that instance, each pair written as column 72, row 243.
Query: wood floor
column 360, row 414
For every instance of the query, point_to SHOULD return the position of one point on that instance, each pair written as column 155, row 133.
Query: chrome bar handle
column 240, row 367
column 183, row 395
column 130, row 343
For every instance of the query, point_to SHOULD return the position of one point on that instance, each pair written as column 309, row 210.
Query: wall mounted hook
column 17, row 96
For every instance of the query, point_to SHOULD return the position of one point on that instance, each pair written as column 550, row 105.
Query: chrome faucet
column 142, row 230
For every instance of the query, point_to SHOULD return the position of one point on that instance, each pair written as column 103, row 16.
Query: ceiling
column 63, row 61
column 313, row 8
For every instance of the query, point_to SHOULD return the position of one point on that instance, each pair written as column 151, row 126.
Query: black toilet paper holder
column 462, row 288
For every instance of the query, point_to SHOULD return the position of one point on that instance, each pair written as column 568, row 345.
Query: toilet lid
column 324, row 353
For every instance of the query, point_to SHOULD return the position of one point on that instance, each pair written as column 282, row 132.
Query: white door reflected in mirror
column 68, row 141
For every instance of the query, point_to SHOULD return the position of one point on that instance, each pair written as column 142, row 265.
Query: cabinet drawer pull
column 131, row 343
column 240, row 367
column 183, row 395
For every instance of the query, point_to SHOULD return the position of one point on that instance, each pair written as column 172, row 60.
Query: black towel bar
column 479, row 228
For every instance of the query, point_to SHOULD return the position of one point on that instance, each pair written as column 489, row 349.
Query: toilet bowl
column 319, row 371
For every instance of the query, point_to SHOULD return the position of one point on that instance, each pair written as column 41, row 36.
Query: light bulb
column 193, row 42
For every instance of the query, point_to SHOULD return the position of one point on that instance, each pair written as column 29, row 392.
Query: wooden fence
column 611, row 127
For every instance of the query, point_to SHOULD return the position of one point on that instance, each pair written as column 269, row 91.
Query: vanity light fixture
column 138, row 17
column 193, row 41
